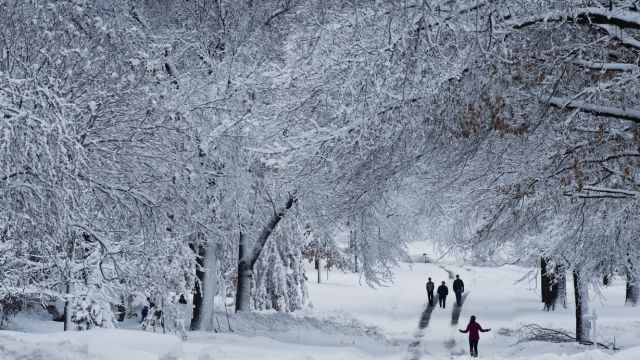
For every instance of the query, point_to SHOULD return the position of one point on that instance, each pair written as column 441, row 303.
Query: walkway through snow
column 415, row 350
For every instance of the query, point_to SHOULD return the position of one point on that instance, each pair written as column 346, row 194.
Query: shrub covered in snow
column 89, row 313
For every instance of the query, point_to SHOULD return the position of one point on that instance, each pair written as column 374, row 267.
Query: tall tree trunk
column 67, row 307
column 211, row 285
column 319, row 268
column 198, row 294
column 633, row 291
column 69, row 285
column 561, row 280
column 582, row 306
column 632, row 294
column 545, row 281
column 247, row 259
column 204, row 297
column 353, row 247
column 243, row 288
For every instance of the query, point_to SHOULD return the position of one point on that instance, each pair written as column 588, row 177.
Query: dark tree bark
column 319, row 268
column 581, row 299
column 198, row 296
column 633, row 291
column 67, row 309
column 243, row 288
column 545, row 281
column 632, row 294
column 69, row 287
column 247, row 259
column 353, row 247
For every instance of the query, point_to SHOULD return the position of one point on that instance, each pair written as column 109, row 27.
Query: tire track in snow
column 415, row 351
column 450, row 343
column 452, row 275
column 455, row 314
column 414, row 347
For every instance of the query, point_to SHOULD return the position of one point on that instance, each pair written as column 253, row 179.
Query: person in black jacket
column 430, row 288
column 443, row 291
column 458, row 289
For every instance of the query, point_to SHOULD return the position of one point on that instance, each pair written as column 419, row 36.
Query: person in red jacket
column 474, row 335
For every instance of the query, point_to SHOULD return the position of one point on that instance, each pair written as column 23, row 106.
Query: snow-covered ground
column 349, row 320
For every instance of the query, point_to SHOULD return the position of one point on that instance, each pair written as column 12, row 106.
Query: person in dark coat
column 474, row 335
column 458, row 289
column 430, row 288
column 443, row 291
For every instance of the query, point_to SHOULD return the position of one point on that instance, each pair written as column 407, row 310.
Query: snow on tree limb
column 606, row 66
column 611, row 191
column 620, row 34
column 598, row 110
column 252, row 256
column 619, row 17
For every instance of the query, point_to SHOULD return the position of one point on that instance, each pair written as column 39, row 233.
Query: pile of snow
column 94, row 344
column 14, row 349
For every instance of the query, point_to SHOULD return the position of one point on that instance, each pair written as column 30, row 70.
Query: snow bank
column 95, row 344
column 629, row 354
column 15, row 349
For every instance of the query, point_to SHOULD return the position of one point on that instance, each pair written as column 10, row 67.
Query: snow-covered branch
column 599, row 110
column 606, row 66
column 626, row 193
column 620, row 34
column 620, row 17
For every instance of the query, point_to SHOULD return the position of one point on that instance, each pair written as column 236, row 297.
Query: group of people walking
column 473, row 328
column 443, row 291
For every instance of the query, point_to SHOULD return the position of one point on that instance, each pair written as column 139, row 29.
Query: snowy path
column 415, row 352
column 414, row 346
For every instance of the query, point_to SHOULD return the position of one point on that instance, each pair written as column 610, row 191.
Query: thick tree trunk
column 355, row 259
column 198, row 294
column 204, row 296
column 69, row 286
column 247, row 259
column 561, row 280
column 319, row 268
column 353, row 246
column 67, row 308
column 210, row 285
column 545, row 281
column 633, row 291
column 243, row 292
column 243, row 289
column 582, row 306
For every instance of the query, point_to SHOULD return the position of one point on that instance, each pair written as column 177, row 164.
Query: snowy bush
column 170, row 316
column 280, row 281
column 9, row 306
column 89, row 313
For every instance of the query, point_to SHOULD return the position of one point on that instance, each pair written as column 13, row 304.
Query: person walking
column 430, row 288
column 458, row 289
column 443, row 291
column 474, row 336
